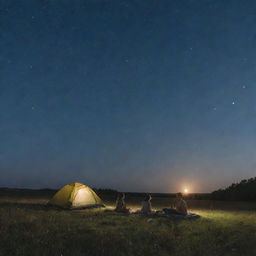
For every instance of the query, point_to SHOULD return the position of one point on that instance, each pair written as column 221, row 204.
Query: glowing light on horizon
column 185, row 190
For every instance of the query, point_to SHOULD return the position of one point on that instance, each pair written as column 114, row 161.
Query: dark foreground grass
column 28, row 227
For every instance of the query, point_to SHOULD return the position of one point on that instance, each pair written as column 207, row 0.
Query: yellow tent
column 76, row 195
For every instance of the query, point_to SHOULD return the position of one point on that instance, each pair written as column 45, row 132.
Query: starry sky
column 131, row 95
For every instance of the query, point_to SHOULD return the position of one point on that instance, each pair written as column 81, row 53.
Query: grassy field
column 28, row 227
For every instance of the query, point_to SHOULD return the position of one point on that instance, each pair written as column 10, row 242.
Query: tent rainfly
column 76, row 196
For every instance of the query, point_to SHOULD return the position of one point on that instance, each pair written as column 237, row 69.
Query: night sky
column 153, row 95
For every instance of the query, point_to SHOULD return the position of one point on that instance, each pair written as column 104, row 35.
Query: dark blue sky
column 131, row 95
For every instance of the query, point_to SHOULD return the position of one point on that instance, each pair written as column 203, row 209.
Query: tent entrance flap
column 83, row 196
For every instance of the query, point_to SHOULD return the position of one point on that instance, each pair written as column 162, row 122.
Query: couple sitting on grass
column 179, row 209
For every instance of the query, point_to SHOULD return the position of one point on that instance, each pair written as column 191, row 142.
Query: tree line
column 245, row 190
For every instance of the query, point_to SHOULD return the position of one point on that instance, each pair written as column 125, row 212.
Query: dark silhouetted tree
column 245, row 190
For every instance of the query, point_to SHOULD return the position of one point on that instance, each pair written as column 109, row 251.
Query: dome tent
column 76, row 196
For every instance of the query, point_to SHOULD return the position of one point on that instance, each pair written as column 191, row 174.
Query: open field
column 28, row 227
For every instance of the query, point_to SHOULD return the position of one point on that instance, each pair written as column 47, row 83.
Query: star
column 233, row 103
column 243, row 86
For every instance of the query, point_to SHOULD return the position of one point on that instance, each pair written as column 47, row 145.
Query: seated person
column 146, row 205
column 120, row 204
column 181, row 207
